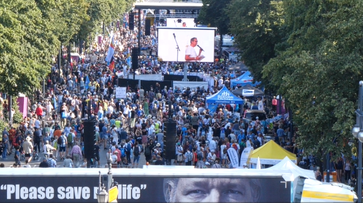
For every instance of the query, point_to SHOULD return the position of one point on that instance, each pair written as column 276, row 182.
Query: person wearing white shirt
column 190, row 53
column 49, row 108
column 260, row 105
column 109, row 109
column 220, row 82
column 212, row 145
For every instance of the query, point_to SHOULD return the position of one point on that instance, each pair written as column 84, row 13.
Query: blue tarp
column 224, row 96
column 243, row 80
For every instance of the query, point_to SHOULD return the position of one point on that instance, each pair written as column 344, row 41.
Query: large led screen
column 180, row 22
column 195, row 44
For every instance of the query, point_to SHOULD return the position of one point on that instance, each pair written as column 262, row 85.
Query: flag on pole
column 87, row 83
column 110, row 52
column 112, row 65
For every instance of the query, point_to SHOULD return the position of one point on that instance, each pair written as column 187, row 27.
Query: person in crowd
column 44, row 163
column 76, row 154
column 68, row 163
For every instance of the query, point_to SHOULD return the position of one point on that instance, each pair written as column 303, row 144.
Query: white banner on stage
column 190, row 84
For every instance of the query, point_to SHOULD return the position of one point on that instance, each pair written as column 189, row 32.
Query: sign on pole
column 120, row 92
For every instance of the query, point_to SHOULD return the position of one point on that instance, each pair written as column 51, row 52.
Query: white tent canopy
column 291, row 170
column 316, row 191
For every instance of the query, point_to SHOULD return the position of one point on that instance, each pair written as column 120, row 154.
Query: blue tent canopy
column 244, row 79
column 224, row 96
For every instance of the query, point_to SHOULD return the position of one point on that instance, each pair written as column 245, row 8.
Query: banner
column 120, row 92
column 233, row 157
column 78, row 188
column 244, row 157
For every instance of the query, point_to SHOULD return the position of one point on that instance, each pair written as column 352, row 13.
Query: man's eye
column 235, row 192
column 199, row 192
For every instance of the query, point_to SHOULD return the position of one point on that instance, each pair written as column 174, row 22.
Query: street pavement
column 9, row 161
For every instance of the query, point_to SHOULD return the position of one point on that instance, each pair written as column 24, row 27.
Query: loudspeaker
column 89, row 138
column 131, row 21
column 134, row 57
column 169, row 140
column 147, row 27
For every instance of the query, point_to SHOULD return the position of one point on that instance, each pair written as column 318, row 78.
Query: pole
column 43, row 88
column 139, row 32
column 185, row 72
column 327, row 167
column 10, row 107
column 60, row 59
column 359, row 182
column 359, row 192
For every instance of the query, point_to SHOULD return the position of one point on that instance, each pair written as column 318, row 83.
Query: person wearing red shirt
column 39, row 111
column 274, row 103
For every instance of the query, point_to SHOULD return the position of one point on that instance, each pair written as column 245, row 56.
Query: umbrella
column 248, row 91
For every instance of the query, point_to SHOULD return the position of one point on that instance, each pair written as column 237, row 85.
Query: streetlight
column 357, row 132
column 102, row 195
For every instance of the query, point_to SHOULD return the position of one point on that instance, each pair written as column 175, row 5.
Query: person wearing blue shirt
column 104, row 135
column 184, row 133
column 280, row 132
column 250, row 135
column 240, row 137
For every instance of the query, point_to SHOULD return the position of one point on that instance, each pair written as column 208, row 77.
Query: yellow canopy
column 271, row 153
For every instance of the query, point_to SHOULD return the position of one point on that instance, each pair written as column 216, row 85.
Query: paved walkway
column 9, row 161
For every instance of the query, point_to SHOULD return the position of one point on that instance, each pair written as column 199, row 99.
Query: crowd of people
column 53, row 131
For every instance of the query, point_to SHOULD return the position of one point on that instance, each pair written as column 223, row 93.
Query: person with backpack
column 216, row 164
column 128, row 148
column 123, row 155
column 148, row 152
column 136, row 151
column 188, row 157
column 62, row 143
column 195, row 157
column 70, row 140
column 51, row 162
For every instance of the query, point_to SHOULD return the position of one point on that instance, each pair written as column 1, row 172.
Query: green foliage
column 257, row 27
column 214, row 13
column 102, row 11
column 26, row 46
column 318, row 69
column 18, row 116
column 32, row 31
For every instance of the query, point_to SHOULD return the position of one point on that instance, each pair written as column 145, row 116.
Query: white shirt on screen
column 190, row 51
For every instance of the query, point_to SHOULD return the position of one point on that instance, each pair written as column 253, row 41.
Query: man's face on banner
column 214, row 190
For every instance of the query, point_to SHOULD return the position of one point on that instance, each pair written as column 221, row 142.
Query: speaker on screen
column 134, row 58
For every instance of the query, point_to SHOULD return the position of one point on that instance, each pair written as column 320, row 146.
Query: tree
column 26, row 46
column 214, row 13
column 102, row 11
column 318, row 71
column 257, row 27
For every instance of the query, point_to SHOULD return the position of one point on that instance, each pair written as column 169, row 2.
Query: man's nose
column 214, row 196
